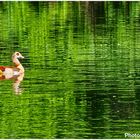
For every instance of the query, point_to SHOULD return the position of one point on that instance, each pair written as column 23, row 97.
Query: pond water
column 82, row 70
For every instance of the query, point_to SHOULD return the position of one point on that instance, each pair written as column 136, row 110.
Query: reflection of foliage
column 90, row 52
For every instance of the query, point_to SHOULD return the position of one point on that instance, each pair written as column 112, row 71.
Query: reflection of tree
column 95, row 74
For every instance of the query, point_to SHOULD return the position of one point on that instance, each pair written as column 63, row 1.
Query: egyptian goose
column 8, row 72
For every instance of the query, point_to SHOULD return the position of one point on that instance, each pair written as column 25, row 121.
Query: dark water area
column 82, row 70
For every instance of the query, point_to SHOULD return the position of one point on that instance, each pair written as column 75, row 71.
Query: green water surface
column 82, row 69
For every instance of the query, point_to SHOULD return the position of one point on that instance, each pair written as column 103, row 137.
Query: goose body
column 9, row 72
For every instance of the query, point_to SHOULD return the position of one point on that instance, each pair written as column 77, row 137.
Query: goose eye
column 17, row 54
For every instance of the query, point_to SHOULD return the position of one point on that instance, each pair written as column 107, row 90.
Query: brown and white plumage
column 8, row 72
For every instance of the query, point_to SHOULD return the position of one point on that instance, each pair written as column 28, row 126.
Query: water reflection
column 16, row 84
column 82, row 70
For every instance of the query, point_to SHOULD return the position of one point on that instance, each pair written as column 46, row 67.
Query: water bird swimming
column 9, row 72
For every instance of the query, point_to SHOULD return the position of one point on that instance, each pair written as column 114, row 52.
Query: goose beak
column 22, row 57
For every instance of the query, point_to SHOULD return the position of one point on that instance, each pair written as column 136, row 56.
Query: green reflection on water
column 81, row 69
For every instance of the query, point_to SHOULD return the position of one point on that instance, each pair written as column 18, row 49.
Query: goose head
column 17, row 55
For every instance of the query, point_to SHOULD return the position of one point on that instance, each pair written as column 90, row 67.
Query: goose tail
column 1, row 73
